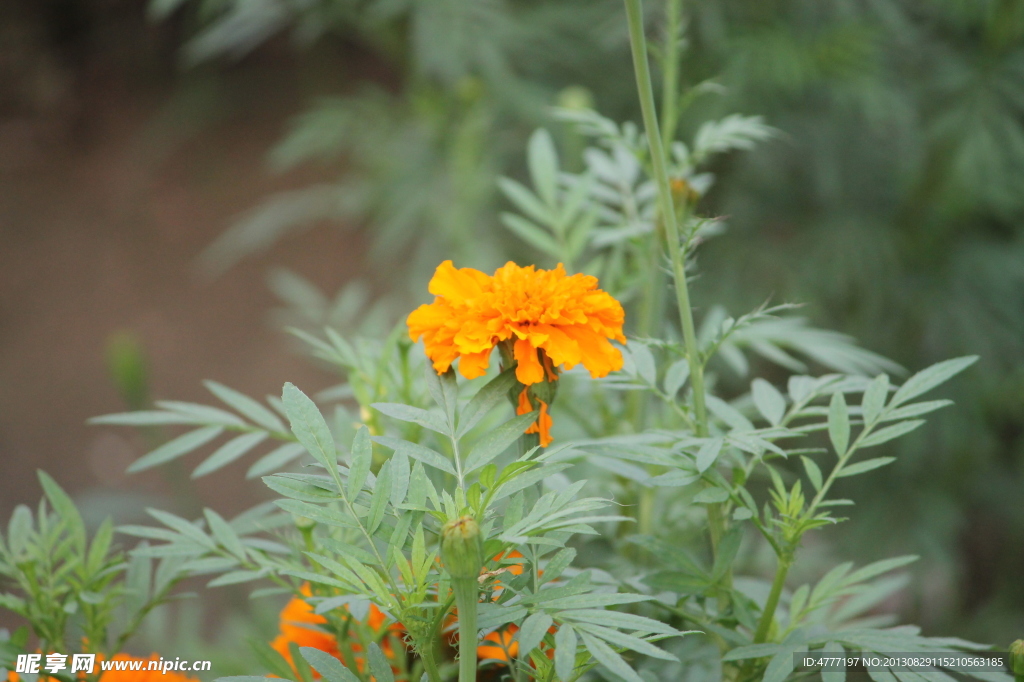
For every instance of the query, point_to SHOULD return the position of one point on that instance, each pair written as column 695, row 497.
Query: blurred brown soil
column 111, row 183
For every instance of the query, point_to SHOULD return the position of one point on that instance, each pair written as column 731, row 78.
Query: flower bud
column 462, row 547
column 1017, row 658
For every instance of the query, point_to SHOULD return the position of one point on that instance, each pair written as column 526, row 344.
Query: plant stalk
column 768, row 615
column 638, row 43
column 466, row 596
column 666, row 207
column 670, row 72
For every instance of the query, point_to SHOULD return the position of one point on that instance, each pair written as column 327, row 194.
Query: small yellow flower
column 547, row 319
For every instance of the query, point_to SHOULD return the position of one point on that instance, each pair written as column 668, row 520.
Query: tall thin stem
column 670, row 72
column 638, row 43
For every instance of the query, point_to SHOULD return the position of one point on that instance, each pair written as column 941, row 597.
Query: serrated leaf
column 891, row 432
column 676, row 375
column 532, row 632
column 813, row 472
column 444, row 390
column 565, row 651
column 309, row 426
column 328, row 666
column 914, row 410
column 493, row 392
column 143, row 418
column 833, row 674
column 415, row 415
column 418, row 452
column 225, row 534
column 607, row 657
column 229, row 452
column 708, row 453
column 247, row 406
column 379, row 499
column 362, row 458
column 543, row 162
column 874, row 398
column 929, row 378
column 839, row 424
column 379, row 666
column 531, row 234
column 711, row 496
column 865, row 466
column 769, row 402
column 275, row 459
column 644, row 362
column 497, row 441
column 182, row 445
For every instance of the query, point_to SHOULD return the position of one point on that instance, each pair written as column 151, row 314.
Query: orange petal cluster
column 299, row 623
column 545, row 314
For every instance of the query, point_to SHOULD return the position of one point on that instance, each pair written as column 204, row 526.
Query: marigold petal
column 457, row 284
column 528, row 370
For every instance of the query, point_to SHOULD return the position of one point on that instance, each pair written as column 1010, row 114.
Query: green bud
column 1017, row 658
column 303, row 523
column 462, row 548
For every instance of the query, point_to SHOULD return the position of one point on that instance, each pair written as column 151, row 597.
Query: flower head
column 549, row 318
column 544, row 320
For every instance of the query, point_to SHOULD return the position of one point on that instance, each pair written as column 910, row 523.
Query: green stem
column 634, row 13
column 466, row 597
column 638, row 43
column 430, row 665
column 768, row 615
column 670, row 72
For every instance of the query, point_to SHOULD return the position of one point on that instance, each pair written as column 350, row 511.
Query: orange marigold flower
column 544, row 421
column 543, row 314
column 300, row 624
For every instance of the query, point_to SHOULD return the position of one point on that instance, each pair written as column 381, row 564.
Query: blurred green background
column 158, row 159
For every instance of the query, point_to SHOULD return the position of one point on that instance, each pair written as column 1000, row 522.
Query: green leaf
column 380, row 497
column 493, row 392
column 813, row 472
column 532, row 632
column 781, row 665
column 878, row 568
column 833, row 674
column 229, row 452
column 203, row 414
column 309, row 426
column 727, row 550
column 416, row 415
column 929, row 378
column 768, row 400
column 874, row 398
column 865, row 466
column 891, row 432
column 565, row 651
column 362, row 458
column 275, row 459
column 417, row 452
column 173, row 449
column 143, row 418
column 531, row 234
column 65, row 508
column 400, row 474
column 644, row 361
column 607, row 657
column 379, row 666
column 444, row 390
column 543, row 161
column 497, row 441
column 225, row 534
column 247, row 406
column 676, row 375
column 915, row 410
column 839, row 423
column 189, row 530
column 526, row 201
column 711, row 496
column 708, row 454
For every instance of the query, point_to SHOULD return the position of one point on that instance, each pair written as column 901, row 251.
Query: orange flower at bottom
column 299, row 624
column 543, row 423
